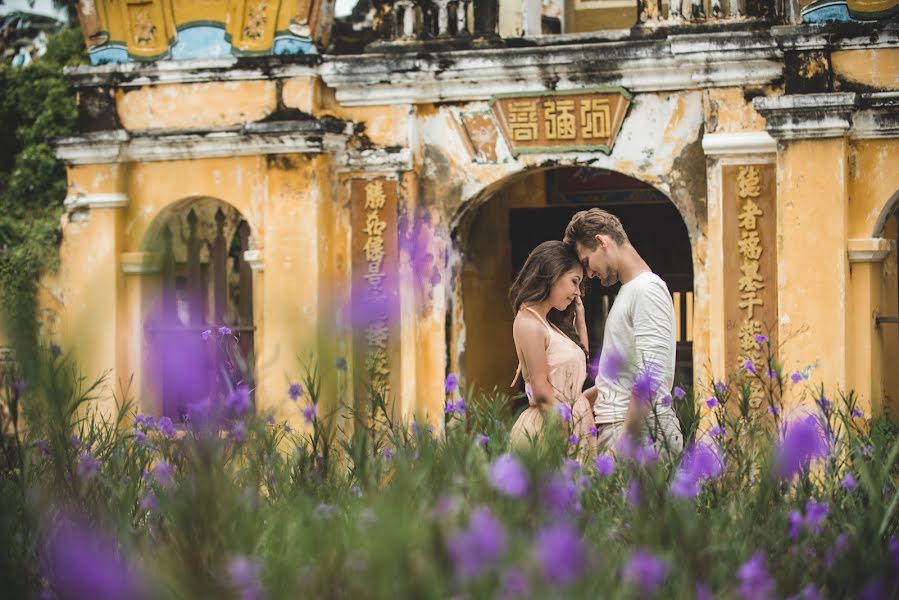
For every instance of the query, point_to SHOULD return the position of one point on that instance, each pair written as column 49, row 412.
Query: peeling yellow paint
column 187, row 106
column 876, row 68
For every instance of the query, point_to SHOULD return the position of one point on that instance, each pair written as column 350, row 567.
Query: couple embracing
column 636, row 368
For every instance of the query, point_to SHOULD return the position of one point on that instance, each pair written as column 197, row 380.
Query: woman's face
column 566, row 288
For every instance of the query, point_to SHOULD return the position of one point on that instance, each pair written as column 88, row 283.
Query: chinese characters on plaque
column 749, row 265
column 586, row 120
column 374, row 277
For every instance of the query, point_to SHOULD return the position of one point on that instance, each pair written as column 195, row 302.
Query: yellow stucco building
column 366, row 187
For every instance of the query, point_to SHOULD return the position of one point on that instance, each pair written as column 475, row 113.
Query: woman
column 550, row 336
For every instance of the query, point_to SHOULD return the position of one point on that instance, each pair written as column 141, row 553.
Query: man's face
column 599, row 261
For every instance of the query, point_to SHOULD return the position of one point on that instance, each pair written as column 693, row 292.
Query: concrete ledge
column 114, row 200
column 869, row 249
column 728, row 144
column 140, row 263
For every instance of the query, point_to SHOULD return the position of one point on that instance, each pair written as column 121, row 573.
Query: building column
column 814, row 303
column 95, row 324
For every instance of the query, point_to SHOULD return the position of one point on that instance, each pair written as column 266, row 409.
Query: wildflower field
column 231, row 503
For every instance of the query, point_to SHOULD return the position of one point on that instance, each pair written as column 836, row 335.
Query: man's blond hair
column 587, row 224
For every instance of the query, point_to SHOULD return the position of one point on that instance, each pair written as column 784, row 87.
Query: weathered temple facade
column 366, row 189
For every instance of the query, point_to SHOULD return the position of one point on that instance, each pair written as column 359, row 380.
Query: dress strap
column 539, row 316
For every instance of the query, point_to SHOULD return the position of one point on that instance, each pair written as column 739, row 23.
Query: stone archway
column 197, row 326
column 497, row 230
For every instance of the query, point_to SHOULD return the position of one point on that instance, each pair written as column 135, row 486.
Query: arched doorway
column 494, row 238
column 886, row 320
column 199, row 335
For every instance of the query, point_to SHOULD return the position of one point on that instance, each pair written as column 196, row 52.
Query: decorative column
column 742, row 261
column 376, row 321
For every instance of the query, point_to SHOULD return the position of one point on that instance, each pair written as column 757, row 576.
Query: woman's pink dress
column 567, row 373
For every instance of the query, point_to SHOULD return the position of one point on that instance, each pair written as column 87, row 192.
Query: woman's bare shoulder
column 526, row 324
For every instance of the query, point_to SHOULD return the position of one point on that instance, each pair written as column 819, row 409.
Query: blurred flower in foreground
column 474, row 549
column 508, row 476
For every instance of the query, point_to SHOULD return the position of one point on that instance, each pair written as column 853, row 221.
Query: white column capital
column 869, row 249
column 254, row 259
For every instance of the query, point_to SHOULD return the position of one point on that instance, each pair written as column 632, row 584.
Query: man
column 636, row 368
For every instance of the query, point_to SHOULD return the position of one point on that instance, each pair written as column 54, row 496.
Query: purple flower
column 633, row 493
column 815, row 513
column 666, row 400
column 711, row 402
column 325, row 510
column 796, row 377
column 309, row 414
column 477, row 547
column 771, row 373
column 451, row 384
column 445, row 505
column 238, row 401
column 796, row 521
column 450, row 407
column 773, row 410
column 508, row 476
column 748, row 366
column 605, row 465
column 162, row 473
column 642, row 453
column 199, row 411
column 646, row 384
column 755, row 582
column 560, row 495
column 483, row 440
column 149, row 502
column 761, row 339
column 700, row 463
column 802, row 442
column 243, row 574
column 167, row 427
column 646, row 571
column 83, row 564
column 460, row 406
column 387, row 453
column 515, row 584
column 564, row 411
column 140, row 438
column 88, row 466
column 703, row 592
column 611, row 362
column 811, row 592
column 238, row 432
column 207, row 333
column 561, row 554
column 593, row 432
column 570, row 467
column 720, row 388
column 717, row 431
column 43, row 446
column 295, row 391
column 144, row 422
column 679, row 392
column 825, row 404
column 573, row 439
column 856, row 413
column 224, row 330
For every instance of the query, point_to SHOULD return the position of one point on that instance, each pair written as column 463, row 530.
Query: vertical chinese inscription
column 375, row 296
column 750, row 266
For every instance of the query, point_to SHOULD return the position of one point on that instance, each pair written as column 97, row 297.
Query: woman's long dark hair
column 544, row 266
